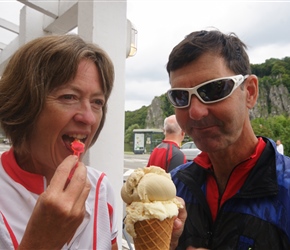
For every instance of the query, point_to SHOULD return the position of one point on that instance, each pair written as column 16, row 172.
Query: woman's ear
column 251, row 86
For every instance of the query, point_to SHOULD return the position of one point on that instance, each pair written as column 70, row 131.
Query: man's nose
column 197, row 109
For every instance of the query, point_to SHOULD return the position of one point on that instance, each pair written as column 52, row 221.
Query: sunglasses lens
column 216, row 90
column 179, row 98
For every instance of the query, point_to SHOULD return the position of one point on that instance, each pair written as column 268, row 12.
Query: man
column 280, row 147
column 167, row 155
column 236, row 192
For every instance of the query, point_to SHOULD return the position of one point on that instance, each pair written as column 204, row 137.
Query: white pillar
column 105, row 24
column 31, row 25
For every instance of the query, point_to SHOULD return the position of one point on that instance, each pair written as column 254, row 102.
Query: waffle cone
column 153, row 234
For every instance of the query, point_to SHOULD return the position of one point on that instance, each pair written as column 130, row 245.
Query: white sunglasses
column 208, row 92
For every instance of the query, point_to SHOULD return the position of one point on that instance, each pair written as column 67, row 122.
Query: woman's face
column 71, row 111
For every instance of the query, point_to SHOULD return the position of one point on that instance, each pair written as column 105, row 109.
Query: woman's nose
column 86, row 114
column 197, row 110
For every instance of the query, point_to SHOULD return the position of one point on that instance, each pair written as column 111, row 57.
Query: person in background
column 53, row 91
column 167, row 154
column 237, row 190
column 280, row 147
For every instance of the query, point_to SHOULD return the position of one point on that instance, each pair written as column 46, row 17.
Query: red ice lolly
column 78, row 147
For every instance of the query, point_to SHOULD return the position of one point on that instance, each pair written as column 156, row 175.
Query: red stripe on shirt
column 96, row 211
column 12, row 236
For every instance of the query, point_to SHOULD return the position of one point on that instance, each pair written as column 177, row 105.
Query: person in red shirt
column 167, row 154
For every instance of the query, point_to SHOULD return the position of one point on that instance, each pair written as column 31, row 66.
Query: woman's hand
column 58, row 211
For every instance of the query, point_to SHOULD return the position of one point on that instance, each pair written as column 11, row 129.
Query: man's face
column 215, row 126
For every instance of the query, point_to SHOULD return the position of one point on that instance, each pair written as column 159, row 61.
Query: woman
column 53, row 91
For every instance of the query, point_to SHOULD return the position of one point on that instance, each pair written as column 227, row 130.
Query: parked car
column 140, row 150
column 6, row 141
column 190, row 150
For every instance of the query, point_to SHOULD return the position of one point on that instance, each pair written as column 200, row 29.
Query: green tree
column 278, row 69
column 276, row 127
column 129, row 133
column 136, row 117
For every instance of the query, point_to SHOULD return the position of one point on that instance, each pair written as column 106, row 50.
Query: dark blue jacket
column 256, row 217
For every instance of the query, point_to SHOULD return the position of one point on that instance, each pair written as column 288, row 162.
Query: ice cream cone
column 151, row 206
column 153, row 234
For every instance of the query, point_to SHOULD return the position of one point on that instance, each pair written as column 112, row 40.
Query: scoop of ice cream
column 147, row 185
column 149, row 194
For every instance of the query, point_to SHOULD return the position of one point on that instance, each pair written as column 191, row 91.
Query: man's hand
column 178, row 225
column 58, row 211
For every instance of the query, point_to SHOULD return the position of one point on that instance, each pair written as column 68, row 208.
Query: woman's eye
column 68, row 97
column 99, row 103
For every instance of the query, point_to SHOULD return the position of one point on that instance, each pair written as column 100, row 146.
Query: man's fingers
column 182, row 211
column 178, row 225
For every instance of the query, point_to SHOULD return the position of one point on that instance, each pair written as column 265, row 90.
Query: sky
column 162, row 24
column 263, row 26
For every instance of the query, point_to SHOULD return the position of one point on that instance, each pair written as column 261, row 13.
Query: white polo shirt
column 19, row 191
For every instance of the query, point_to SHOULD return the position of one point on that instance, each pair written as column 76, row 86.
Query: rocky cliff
column 272, row 101
column 155, row 116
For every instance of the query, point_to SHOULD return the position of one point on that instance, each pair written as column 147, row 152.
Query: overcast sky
column 263, row 26
column 161, row 24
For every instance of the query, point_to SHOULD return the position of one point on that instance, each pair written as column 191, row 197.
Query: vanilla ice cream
column 149, row 194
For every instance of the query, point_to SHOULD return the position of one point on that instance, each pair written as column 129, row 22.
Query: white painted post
column 105, row 23
column 31, row 25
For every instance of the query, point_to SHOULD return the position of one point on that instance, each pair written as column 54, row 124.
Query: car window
column 186, row 145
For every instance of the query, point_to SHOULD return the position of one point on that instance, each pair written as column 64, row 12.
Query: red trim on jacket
column 236, row 180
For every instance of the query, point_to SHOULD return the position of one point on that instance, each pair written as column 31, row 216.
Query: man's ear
column 251, row 86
